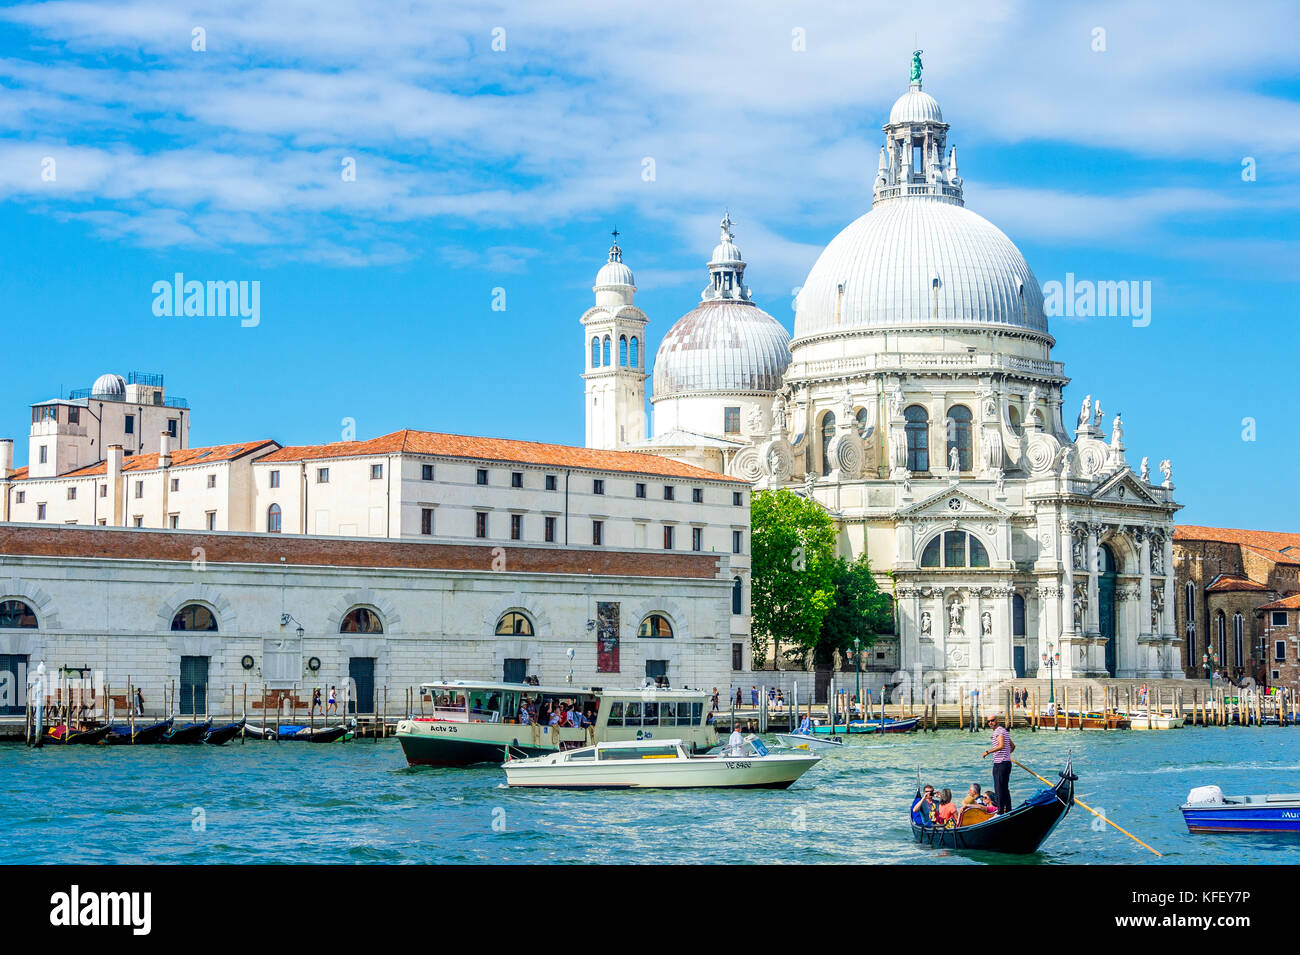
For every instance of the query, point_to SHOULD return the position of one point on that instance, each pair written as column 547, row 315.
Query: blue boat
column 1208, row 810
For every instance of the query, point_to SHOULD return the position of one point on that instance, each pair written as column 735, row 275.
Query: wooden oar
column 1091, row 810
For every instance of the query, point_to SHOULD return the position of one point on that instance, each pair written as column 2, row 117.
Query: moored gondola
column 63, row 735
column 220, row 735
column 120, row 734
column 188, row 734
column 1020, row 831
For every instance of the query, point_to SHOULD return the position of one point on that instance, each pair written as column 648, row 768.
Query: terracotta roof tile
column 1286, row 603
column 180, row 458
column 1229, row 583
column 1281, row 547
column 436, row 444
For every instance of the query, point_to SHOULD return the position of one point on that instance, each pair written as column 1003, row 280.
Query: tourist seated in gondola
column 975, row 797
column 946, row 813
column 925, row 806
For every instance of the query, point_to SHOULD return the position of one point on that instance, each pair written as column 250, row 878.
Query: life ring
column 247, row 662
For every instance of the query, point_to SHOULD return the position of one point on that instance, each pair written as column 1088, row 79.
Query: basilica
column 918, row 403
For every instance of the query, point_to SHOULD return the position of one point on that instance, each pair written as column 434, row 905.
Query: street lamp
column 285, row 618
column 857, row 655
column 1051, row 660
column 1210, row 660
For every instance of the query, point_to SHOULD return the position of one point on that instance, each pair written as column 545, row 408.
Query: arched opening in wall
column 635, row 353
column 514, row 623
column 1106, row 581
column 917, row 429
column 957, row 549
column 1221, row 638
column 864, row 431
column 361, row 620
column 737, row 595
column 622, row 350
column 604, row 351
column 1013, row 413
column 17, row 615
column 273, row 519
column 1239, row 643
column 595, row 352
column 655, row 626
column 1019, row 650
column 195, row 617
column 959, row 436
column 828, row 435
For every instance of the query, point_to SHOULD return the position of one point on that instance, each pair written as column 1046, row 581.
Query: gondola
column 188, row 734
column 220, row 735
column 299, row 734
column 120, row 734
column 1020, row 831
column 64, row 737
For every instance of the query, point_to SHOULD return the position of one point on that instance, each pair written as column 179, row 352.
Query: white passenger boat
column 660, row 764
column 1138, row 720
column 811, row 743
column 463, row 722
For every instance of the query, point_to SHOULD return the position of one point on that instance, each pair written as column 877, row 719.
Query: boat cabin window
column 615, row 715
column 580, row 754
column 485, row 706
column 448, row 704
column 667, row 713
column 637, row 752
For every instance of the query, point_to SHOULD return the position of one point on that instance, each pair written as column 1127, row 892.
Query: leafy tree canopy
column 793, row 564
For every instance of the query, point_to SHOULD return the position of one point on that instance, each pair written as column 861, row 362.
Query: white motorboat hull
column 810, row 743
column 1159, row 721
column 698, row 772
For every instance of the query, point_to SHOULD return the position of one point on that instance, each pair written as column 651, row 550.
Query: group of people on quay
column 939, row 807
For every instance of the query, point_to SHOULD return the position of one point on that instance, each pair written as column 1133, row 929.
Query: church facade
column 918, row 402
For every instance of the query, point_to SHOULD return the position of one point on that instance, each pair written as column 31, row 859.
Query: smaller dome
column 109, row 386
column 614, row 274
column 725, row 251
column 915, row 106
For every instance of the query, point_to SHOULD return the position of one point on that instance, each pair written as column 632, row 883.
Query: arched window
column 917, row 430
column 828, row 435
column 1014, row 414
column 595, row 352
column 273, row 519
column 361, row 620
column 861, row 419
column 622, row 350
column 656, row 625
column 635, row 353
column 1221, row 637
column 514, row 624
column 1189, row 623
column 959, row 419
column 1239, row 639
column 737, row 595
column 1017, row 615
column 604, row 352
column 957, row 548
column 1106, row 560
column 16, row 615
column 194, row 617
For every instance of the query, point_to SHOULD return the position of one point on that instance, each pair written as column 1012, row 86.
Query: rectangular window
column 22, row 497
column 550, row 482
column 697, row 495
column 516, row 527
column 597, row 486
column 731, row 421
column 697, row 538
column 918, row 157
column 171, row 427
column 44, row 454
column 103, row 490
column 174, row 521
column 40, row 512
column 480, row 524
column 212, row 480
column 481, row 476
column 668, row 537
column 139, row 521
column 376, row 472
column 737, row 498
column 426, row 472
column 640, row 490
column 275, row 479
column 550, row 530
column 1279, row 618
column 516, row 478
column 212, row 520
column 668, row 492
column 738, row 656
column 426, row 520
column 139, row 488
column 1279, row 651
column 129, row 425
column 176, row 484
column 597, row 533
column 74, row 416
column 72, row 494
column 737, row 542
column 322, row 475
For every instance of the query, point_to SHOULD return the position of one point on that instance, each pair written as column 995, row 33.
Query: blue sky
column 480, row 169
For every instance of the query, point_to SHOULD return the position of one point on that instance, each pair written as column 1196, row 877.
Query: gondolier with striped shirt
column 1002, row 749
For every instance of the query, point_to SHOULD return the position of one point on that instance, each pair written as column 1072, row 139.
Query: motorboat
column 888, row 724
column 1152, row 720
column 811, row 743
column 1208, row 810
column 1021, row 831
column 465, row 722
column 660, row 764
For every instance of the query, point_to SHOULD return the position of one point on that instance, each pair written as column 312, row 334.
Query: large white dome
column 726, row 346
column 919, row 261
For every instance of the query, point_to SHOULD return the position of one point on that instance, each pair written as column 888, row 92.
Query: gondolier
column 1002, row 749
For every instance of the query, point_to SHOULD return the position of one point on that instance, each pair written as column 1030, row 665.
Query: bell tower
column 614, row 350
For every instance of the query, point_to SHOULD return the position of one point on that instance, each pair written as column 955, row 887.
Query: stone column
column 974, row 625
column 939, row 629
column 1167, row 664
column 1144, row 614
column 909, row 641
column 1093, row 626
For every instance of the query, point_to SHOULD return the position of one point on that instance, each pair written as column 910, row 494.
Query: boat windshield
column 758, row 746
column 448, row 704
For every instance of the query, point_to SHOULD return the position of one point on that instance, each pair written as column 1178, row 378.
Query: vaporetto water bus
column 466, row 722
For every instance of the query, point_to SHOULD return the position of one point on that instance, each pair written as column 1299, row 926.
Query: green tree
column 793, row 557
column 861, row 612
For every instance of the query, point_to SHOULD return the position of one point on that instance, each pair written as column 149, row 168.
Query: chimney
column 114, row 494
column 6, row 458
column 165, row 450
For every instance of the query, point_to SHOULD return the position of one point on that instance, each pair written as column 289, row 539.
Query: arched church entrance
column 1106, row 604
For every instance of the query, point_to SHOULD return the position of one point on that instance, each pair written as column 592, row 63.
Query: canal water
column 359, row 802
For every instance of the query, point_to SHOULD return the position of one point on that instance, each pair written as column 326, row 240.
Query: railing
column 144, row 378
column 898, row 360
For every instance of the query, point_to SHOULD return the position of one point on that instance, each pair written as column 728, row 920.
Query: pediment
column 953, row 502
column 1124, row 488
